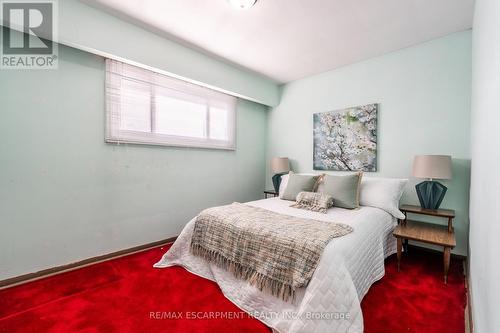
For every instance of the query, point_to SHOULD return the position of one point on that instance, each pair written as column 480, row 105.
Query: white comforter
column 331, row 302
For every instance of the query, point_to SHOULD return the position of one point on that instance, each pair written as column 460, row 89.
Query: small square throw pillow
column 317, row 202
column 299, row 183
column 343, row 189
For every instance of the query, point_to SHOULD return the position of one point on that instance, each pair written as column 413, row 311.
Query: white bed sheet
column 331, row 302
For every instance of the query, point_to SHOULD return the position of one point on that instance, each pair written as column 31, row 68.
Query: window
column 149, row 108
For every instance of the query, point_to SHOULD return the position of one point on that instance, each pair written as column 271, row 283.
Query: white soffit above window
column 290, row 39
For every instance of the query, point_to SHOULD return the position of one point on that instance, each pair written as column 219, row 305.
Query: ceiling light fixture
column 242, row 4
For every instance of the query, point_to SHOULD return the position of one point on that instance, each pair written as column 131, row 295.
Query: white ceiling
column 289, row 39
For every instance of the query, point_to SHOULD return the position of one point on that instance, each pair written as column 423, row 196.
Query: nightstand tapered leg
column 400, row 246
column 446, row 263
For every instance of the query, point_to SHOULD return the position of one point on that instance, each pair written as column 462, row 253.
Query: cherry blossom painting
column 346, row 140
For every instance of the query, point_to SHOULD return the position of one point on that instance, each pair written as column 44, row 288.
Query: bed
column 348, row 267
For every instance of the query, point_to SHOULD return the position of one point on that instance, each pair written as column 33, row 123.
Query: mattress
column 331, row 301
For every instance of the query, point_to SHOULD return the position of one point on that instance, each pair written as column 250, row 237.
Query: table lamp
column 430, row 192
column 279, row 167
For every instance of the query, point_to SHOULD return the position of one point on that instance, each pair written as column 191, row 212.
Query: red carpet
column 128, row 295
column 416, row 299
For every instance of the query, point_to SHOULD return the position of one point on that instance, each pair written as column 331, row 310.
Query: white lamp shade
column 432, row 166
column 280, row 165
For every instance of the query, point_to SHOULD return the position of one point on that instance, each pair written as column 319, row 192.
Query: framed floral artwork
column 346, row 140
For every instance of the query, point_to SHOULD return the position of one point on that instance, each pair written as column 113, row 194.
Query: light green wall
column 66, row 195
column 424, row 95
column 484, row 270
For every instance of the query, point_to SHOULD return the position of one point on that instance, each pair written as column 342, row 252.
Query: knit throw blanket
column 274, row 252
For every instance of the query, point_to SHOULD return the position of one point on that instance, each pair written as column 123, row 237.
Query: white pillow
column 284, row 182
column 383, row 193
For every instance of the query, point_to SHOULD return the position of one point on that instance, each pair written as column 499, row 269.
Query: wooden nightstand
column 426, row 232
column 270, row 193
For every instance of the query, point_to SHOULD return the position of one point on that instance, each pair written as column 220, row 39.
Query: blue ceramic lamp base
column 430, row 194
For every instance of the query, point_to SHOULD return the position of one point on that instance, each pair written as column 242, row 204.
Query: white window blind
column 145, row 107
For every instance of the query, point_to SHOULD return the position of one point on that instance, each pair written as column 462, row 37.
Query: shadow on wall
column 457, row 196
